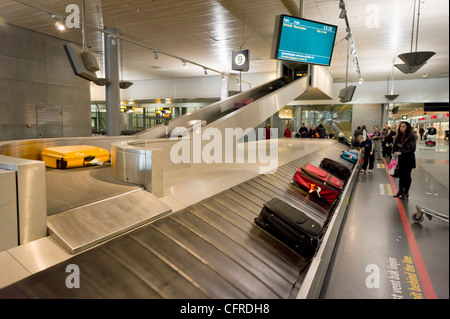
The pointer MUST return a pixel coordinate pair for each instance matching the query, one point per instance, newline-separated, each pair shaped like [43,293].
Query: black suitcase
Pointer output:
[336,168]
[290,226]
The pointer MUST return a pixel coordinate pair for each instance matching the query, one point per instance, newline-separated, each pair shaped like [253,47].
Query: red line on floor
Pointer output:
[422,272]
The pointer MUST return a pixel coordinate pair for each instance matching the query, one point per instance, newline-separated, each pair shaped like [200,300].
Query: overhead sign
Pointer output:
[240,60]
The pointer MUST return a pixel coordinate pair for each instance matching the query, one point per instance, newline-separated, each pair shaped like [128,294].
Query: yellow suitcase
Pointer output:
[74,156]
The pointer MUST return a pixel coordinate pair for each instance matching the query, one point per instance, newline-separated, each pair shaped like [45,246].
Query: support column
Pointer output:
[225,88]
[114,120]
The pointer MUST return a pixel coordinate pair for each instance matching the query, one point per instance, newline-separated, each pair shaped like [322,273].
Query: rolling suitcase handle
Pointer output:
[88,158]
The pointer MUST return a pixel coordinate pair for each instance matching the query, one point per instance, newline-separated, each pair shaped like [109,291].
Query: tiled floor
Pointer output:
[378,235]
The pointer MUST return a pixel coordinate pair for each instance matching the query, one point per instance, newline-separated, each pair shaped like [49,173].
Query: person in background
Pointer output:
[303,131]
[421,132]
[383,137]
[404,148]
[267,132]
[312,131]
[364,131]
[321,130]
[331,135]
[376,138]
[366,147]
[288,131]
[388,141]
[357,133]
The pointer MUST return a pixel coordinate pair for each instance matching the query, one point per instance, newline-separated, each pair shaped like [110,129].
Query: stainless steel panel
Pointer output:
[8,210]
[132,162]
[84,227]
[49,121]
[31,149]
[31,197]
[20,69]
[23,91]
[22,43]
[34,74]
[17,113]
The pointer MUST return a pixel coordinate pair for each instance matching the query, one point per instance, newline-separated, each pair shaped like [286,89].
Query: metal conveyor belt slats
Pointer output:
[212,249]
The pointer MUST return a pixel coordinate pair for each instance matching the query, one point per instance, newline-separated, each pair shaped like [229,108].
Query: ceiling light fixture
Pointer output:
[350,40]
[414,60]
[59,24]
[205,71]
[115,36]
[390,96]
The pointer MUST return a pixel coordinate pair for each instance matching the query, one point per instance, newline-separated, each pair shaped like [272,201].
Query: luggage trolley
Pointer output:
[418,216]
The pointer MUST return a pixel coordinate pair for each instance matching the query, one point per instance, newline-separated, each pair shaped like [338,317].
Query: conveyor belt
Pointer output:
[75,187]
[211,249]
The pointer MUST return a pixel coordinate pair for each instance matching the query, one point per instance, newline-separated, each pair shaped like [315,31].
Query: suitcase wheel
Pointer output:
[61,163]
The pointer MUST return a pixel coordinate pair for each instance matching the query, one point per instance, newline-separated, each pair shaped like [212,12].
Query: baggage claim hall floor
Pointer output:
[380,253]
[379,238]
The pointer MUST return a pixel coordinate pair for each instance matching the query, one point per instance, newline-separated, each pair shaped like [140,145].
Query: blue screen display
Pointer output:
[306,41]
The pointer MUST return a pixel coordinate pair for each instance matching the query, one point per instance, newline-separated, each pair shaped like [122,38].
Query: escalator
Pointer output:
[268,98]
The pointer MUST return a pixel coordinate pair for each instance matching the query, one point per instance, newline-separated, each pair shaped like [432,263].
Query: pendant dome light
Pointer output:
[413,61]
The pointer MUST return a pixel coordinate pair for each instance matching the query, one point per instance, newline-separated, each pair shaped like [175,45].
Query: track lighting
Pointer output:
[184,64]
[205,71]
[343,14]
[348,36]
[155,54]
[59,24]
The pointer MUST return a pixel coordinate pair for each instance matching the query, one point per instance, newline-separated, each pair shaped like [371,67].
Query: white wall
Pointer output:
[410,91]
[199,87]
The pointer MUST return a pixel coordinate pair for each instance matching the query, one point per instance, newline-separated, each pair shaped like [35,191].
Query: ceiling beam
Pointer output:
[291,7]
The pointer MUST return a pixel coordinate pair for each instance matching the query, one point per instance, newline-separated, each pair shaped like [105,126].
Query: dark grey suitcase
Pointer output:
[291,226]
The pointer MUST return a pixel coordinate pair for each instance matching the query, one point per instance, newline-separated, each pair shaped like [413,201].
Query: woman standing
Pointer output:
[267,132]
[288,131]
[388,141]
[312,132]
[376,138]
[404,147]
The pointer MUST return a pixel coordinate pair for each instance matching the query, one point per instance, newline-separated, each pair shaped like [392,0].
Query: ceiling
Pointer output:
[207,31]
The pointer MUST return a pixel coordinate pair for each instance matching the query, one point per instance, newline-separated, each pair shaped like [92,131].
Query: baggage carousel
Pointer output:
[211,249]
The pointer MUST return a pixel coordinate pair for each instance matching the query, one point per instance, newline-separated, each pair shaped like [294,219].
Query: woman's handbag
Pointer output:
[393,167]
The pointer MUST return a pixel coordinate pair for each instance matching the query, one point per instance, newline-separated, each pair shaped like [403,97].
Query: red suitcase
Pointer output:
[318,187]
[242,102]
[324,176]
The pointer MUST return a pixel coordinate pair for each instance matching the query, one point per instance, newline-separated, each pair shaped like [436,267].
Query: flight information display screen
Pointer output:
[304,41]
